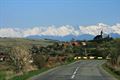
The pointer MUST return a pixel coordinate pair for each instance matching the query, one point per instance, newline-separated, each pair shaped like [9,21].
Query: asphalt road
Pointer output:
[80,70]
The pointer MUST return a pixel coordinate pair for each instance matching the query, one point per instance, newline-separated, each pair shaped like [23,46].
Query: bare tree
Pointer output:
[20,58]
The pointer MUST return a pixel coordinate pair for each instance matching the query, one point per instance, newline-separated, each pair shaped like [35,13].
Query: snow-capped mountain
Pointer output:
[115,35]
[70,37]
[64,38]
[65,32]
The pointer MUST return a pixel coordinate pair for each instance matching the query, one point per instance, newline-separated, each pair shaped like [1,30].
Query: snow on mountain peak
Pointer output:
[61,30]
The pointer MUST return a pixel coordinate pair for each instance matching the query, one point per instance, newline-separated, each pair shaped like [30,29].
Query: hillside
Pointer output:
[7,42]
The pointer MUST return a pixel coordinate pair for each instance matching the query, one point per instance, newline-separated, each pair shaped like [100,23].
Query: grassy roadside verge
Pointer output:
[5,71]
[36,72]
[105,67]
[2,75]
[25,76]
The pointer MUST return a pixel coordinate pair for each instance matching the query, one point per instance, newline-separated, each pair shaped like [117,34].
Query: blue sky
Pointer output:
[31,13]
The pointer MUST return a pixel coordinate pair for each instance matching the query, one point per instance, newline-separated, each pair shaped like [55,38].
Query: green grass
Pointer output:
[25,76]
[105,67]
[3,69]
[2,75]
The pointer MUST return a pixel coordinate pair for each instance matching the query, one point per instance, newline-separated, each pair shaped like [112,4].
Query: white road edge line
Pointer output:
[73,76]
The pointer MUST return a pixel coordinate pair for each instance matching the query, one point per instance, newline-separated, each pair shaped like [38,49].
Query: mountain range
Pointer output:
[69,37]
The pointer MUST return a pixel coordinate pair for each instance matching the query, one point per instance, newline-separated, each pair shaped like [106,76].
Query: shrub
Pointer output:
[19,58]
[39,60]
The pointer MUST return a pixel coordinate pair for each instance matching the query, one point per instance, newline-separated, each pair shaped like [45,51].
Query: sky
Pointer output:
[31,13]
[21,18]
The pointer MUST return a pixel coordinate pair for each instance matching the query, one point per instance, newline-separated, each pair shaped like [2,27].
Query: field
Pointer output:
[22,41]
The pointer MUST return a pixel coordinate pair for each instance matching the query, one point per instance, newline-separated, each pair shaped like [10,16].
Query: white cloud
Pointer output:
[116,28]
[60,31]
[95,29]
[33,31]
[50,30]
[10,32]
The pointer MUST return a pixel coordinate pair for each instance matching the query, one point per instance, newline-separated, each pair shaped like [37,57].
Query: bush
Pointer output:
[19,58]
[39,60]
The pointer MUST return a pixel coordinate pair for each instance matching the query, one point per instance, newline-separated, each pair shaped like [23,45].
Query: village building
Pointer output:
[102,36]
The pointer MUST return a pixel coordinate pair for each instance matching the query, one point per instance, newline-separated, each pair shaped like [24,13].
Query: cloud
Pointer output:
[33,31]
[51,31]
[116,28]
[95,29]
[10,32]
[60,31]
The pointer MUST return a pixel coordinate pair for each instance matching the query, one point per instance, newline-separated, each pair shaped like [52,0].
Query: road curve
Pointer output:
[80,70]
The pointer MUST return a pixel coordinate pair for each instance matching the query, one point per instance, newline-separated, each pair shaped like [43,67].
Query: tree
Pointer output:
[20,58]
[39,60]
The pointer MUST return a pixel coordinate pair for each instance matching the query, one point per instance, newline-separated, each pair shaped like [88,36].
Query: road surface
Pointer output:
[80,70]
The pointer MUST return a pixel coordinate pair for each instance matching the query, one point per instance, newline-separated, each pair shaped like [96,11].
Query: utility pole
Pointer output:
[84,44]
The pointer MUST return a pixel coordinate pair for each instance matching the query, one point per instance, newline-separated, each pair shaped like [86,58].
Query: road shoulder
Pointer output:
[50,70]
[108,72]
